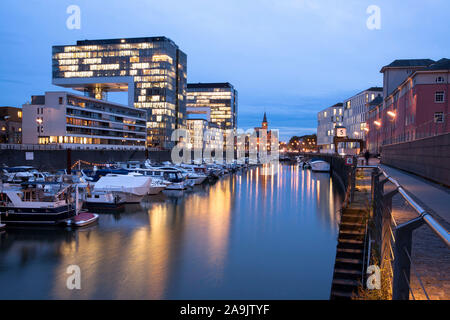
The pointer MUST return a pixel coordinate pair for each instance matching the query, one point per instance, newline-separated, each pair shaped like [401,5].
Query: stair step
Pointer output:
[347,271]
[354,232]
[341,294]
[346,282]
[348,250]
[349,260]
[351,241]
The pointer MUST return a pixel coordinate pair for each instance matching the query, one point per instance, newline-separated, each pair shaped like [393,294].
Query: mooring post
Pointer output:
[69,161]
[402,261]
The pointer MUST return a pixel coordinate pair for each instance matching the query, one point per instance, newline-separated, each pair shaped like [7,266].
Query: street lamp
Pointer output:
[392,114]
[39,122]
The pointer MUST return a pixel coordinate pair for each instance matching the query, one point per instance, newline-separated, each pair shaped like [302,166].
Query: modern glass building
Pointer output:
[220,98]
[151,69]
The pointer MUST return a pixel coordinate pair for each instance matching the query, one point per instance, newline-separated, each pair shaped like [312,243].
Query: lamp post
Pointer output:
[39,122]
[7,129]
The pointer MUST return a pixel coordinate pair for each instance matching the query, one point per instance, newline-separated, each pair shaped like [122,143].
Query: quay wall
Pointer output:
[49,160]
[428,157]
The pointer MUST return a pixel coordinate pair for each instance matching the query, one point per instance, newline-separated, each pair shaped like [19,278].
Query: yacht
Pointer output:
[103,200]
[320,166]
[30,203]
[127,187]
[155,185]
[193,178]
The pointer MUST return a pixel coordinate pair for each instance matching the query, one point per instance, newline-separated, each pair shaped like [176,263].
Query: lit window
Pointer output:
[439,96]
[438,117]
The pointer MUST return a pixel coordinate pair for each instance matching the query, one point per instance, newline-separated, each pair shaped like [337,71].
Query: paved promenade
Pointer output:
[430,256]
[434,198]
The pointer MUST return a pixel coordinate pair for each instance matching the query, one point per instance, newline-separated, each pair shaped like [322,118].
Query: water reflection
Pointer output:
[249,235]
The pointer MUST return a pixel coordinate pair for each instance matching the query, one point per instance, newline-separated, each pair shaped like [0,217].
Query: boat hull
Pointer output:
[320,166]
[10,215]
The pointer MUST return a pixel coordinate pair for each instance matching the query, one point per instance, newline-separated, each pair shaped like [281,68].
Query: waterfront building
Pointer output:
[221,99]
[10,125]
[355,111]
[260,131]
[151,69]
[418,107]
[308,143]
[197,128]
[373,136]
[79,122]
[328,119]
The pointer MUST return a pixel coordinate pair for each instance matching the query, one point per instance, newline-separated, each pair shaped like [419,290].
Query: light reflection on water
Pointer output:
[248,236]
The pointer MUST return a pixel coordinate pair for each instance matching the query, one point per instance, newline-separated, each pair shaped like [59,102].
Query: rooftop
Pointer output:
[209,85]
[404,63]
[122,40]
[443,64]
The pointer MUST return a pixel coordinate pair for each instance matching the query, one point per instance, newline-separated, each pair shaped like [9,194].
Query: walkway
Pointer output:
[430,256]
[434,198]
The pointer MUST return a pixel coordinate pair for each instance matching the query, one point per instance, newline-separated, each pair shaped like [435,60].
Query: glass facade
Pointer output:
[155,68]
[220,98]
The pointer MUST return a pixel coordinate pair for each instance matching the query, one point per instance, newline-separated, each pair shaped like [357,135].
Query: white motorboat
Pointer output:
[103,200]
[320,166]
[29,203]
[127,187]
[192,175]
[155,185]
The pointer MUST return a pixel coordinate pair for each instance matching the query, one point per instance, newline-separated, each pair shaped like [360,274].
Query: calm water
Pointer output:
[247,236]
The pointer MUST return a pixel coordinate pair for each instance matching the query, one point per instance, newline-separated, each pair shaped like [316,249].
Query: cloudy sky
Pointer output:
[290,58]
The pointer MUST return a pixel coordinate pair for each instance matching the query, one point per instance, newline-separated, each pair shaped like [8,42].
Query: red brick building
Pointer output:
[415,106]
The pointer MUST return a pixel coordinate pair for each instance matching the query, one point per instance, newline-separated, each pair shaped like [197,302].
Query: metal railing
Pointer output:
[395,241]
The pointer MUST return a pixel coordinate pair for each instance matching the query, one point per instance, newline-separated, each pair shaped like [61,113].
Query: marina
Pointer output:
[244,232]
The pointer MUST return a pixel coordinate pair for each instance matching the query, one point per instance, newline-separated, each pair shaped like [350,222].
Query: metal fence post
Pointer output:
[402,262]
[386,222]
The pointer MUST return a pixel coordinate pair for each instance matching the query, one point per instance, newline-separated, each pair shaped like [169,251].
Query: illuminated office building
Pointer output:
[327,120]
[220,98]
[151,69]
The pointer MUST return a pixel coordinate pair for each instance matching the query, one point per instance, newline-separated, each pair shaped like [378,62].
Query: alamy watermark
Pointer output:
[374,20]
[74,279]
[227,147]
[374,278]
[74,19]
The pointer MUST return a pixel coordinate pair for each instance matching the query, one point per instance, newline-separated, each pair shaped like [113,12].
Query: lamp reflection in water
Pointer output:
[248,235]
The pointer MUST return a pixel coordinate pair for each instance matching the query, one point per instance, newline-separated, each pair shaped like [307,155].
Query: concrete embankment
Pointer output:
[48,160]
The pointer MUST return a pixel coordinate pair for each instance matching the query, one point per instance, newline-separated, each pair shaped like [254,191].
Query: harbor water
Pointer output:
[255,234]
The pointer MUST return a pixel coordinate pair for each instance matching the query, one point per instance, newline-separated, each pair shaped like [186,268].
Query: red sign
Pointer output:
[348,160]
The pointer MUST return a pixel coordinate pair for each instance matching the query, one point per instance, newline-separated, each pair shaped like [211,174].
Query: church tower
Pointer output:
[265,125]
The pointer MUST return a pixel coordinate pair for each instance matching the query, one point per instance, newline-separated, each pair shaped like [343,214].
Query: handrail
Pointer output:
[435,226]
[438,230]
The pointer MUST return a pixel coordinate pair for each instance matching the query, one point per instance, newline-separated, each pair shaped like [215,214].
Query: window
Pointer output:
[439,96]
[440,80]
[60,100]
[438,117]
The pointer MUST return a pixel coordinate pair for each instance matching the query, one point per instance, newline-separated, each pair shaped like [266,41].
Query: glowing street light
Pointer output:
[377,123]
[392,114]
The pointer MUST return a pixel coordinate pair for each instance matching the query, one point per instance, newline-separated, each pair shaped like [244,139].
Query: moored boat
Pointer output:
[29,203]
[320,166]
